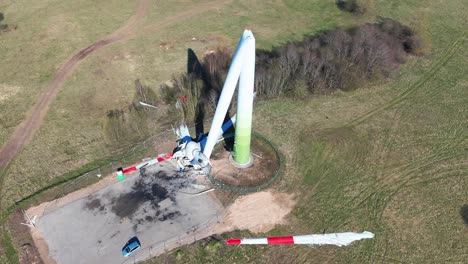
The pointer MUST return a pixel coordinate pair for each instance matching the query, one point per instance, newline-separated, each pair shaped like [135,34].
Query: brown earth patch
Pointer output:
[23,241]
[264,166]
[257,212]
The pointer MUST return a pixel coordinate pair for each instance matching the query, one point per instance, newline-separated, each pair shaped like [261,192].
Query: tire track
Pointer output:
[35,117]
[379,197]
[378,194]
[24,132]
[456,45]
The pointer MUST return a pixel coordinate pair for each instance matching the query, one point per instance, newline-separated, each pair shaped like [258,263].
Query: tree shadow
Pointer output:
[464,213]
[212,86]
[195,69]
[193,64]
[2,17]
[228,135]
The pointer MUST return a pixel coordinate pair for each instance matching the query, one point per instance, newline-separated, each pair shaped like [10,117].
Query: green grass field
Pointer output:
[390,157]
[72,134]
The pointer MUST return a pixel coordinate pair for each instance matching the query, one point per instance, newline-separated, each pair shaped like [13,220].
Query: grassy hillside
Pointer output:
[390,157]
[72,134]
[47,33]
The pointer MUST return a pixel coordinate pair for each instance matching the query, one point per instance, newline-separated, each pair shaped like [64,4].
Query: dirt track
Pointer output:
[35,117]
[25,131]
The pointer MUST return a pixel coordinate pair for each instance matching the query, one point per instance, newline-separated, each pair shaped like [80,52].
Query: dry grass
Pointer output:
[390,158]
[48,32]
[72,134]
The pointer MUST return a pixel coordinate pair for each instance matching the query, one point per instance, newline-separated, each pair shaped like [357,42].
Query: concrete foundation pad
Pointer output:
[241,166]
[155,207]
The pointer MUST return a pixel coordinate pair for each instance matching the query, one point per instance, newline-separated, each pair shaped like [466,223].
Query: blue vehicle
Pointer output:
[132,246]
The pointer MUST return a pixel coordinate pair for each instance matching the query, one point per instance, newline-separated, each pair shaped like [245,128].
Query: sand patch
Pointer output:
[257,212]
[42,247]
[7,91]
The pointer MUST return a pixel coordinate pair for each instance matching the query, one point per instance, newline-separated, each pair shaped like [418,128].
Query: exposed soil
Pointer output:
[42,248]
[257,212]
[28,251]
[263,168]
[7,91]
[28,254]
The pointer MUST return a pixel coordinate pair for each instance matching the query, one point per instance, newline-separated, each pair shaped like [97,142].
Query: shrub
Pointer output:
[130,124]
[125,126]
[217,61]
[350,6]
[145,94]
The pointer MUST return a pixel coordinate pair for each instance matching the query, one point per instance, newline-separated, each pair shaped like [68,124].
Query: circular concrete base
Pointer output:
[257,174]
[241,166]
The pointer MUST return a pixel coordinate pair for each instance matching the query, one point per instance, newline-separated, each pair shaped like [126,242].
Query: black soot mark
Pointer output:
[94,205]
[126,204]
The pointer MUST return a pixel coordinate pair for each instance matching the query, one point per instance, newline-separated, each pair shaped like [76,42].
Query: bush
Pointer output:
[5,27]
[126,126]
[130,124]
[216,62]
[350,6]
[145,94]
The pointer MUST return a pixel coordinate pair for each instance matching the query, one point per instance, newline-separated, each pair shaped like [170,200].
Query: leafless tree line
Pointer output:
[335,59]
[200,86]
[342,58]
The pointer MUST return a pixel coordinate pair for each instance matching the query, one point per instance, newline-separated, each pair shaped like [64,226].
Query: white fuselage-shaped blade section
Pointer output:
[242,57]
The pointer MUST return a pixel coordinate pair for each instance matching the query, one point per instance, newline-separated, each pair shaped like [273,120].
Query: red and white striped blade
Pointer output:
[150,162]
[337,239]
[261,241]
